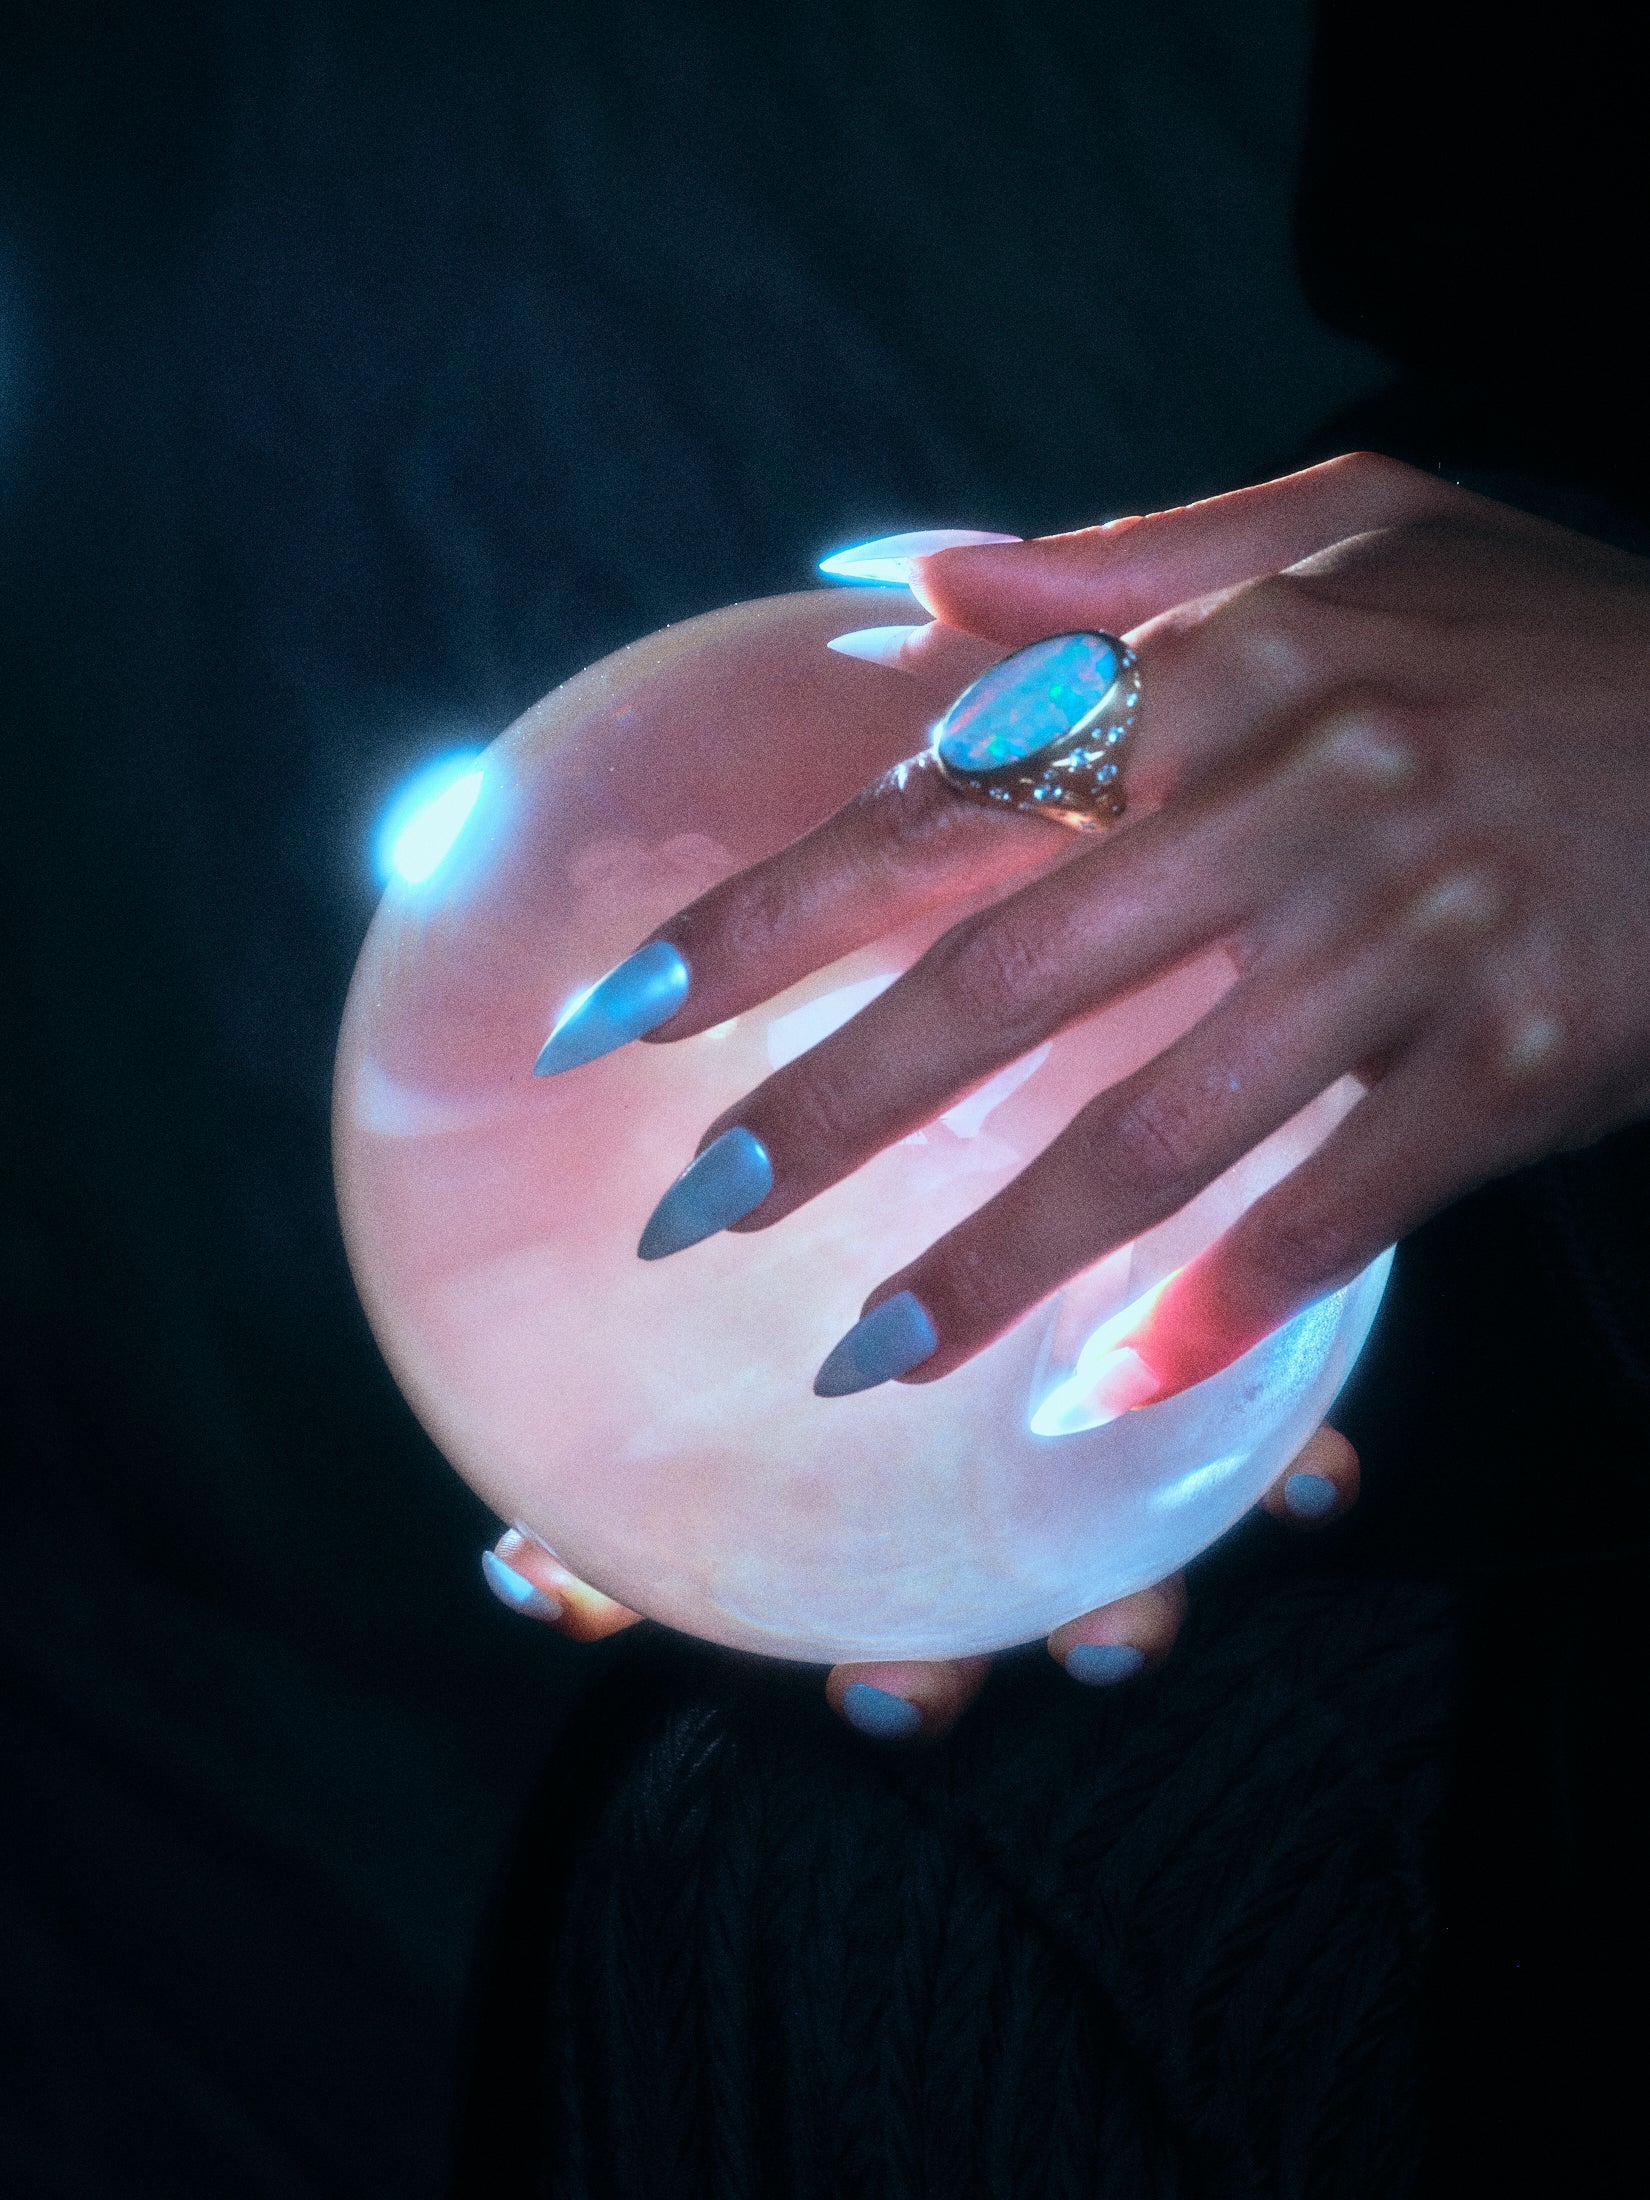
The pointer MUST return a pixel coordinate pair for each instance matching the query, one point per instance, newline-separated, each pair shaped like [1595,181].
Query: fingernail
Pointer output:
[1038,695]
[878,645]
[874,1711]
[891,1340]
[727,1180]
[635,997]
[515,1590]
[888,559]
[1310,1496]
[1098,1664]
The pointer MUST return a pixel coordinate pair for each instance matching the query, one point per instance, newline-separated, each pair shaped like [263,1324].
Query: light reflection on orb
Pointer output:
[426,818]
[654,1422]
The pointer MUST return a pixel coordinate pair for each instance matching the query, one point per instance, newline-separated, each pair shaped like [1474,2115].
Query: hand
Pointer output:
[1394,759]
[911,1699]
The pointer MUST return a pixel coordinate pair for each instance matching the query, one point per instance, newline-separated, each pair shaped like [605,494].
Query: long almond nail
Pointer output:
[877,645]
[642,992]
[889,1341]
[888,559]
[728,1179]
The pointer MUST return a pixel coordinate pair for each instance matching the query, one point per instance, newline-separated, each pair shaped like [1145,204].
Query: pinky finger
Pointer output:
[1410,1146]
[532,1580]
[1319,1483]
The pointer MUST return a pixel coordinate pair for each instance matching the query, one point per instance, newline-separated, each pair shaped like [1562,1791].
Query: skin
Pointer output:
[1394,759]
[942,1689]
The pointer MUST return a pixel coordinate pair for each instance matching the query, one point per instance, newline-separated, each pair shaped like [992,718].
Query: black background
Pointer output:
[365,370]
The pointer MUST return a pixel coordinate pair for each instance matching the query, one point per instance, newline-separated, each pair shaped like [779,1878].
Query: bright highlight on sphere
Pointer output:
[426,819]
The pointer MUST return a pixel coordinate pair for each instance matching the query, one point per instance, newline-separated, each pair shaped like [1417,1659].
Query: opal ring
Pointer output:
[1044,731]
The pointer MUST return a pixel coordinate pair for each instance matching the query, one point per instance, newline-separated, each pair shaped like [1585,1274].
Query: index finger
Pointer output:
[904,846]
[910,843]
[1126,571]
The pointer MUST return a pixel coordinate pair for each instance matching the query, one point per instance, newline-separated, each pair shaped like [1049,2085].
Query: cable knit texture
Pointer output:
[1167,1940]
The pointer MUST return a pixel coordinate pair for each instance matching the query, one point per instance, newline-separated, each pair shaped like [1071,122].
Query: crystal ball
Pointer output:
[653,1423]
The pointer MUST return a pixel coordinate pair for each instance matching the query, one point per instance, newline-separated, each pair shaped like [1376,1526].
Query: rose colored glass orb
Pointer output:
[654,1422]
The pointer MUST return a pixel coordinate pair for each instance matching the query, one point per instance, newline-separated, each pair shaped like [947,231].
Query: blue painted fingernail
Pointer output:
[888,559]
[1098,1664]
[1310,1496]
[875,1711]
[635,997]
[515,1590]
[891,1340]
[727,1180]
[878,645]
[1038,695]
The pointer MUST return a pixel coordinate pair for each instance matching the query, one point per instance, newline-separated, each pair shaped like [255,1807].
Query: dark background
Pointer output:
[364,371]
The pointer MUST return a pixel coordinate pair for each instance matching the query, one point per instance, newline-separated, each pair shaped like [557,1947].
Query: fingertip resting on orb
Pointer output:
[882,1345]
[1310,1496]
[718,1188]
[876,645]
[1102,1664]
[879,1713]
[515,1591]
[1536,1040]
[634,998]
[887,560]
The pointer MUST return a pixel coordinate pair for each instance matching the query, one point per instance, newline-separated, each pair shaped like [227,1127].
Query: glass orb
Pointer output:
[654,1422]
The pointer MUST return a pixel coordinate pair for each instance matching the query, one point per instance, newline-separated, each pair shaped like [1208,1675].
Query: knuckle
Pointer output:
[1145,1146]
[819,1114]
[740,926]
[1498,1042]
[1369,471]
[992,971]
[1387,490]
[1276,617]
[1366,738]
[907,812]
[1306,1246]
[1519,1036]
[966,1291]
[1532,1043]
[1455,900]
[1542,1008]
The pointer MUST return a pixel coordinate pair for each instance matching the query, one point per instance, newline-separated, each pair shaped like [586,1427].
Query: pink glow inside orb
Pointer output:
[654,1422]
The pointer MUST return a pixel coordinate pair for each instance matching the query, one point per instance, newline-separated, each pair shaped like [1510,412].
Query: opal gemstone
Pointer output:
[1037,696]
